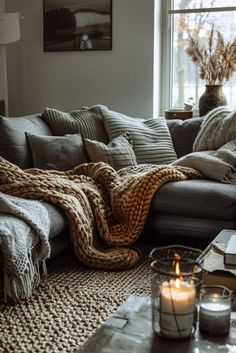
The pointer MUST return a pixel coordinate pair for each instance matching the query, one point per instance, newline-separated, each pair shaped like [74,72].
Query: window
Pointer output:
[181,77]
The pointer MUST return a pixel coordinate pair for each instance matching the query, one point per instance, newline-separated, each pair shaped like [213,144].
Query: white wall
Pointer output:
[122,78]
[157,74]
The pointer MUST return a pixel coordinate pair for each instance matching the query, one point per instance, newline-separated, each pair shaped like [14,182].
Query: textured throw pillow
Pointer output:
[57,152]
[13,142]
[85,121]
[152,142]
[118,153]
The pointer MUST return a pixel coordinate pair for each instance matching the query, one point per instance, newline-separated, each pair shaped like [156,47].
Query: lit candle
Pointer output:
[177,305]
[214,317]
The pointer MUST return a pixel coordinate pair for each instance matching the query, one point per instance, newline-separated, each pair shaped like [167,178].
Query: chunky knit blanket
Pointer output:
[106,212]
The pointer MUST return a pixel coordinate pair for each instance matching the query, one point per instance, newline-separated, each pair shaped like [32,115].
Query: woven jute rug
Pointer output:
[68,306]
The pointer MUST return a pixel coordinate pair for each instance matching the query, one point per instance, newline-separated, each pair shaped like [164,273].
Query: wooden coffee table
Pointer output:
[129,330]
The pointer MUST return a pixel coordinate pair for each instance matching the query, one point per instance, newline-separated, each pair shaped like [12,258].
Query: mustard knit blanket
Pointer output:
[106,211]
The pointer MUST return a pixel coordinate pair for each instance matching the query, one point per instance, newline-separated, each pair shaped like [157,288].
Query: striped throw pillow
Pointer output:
[152,142]
[85,121]
[118,153]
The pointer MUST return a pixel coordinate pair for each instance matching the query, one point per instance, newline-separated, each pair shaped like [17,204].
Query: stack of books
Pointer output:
[230,252]
[219,260]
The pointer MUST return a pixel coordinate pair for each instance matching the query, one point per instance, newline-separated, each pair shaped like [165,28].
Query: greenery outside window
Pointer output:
[181,76]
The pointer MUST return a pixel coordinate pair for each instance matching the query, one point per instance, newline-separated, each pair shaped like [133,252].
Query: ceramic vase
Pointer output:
[213,97]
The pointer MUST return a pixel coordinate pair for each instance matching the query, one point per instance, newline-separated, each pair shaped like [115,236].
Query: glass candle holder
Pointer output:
[215,310]
[175,281]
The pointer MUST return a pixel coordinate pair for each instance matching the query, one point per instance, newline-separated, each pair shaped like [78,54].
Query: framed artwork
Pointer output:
[77,25]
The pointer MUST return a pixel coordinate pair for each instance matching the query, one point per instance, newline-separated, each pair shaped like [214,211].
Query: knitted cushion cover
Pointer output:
[152,142]
[84,121]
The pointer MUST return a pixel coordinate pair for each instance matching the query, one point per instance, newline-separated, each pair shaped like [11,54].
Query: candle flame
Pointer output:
[215,297]
[177,273]
[177,257]
[177,269]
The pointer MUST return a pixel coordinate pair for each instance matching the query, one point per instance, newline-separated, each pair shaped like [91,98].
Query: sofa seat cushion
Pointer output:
[196,198]
[160,226]
[58,220]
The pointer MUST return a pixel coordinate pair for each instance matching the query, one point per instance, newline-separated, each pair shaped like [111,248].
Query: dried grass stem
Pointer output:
[215,58]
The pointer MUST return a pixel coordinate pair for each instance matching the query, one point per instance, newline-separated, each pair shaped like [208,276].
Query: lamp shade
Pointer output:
[9,27]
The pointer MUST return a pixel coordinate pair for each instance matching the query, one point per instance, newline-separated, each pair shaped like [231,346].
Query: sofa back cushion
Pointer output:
[85,121]
[151,138]
[57,152]
[183,133]
[13,142]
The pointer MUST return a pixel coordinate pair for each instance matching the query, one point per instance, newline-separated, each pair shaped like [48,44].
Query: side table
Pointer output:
[178,114]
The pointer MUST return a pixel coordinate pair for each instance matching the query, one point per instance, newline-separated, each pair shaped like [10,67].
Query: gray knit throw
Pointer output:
[214,149]
[24,244]
[218,128]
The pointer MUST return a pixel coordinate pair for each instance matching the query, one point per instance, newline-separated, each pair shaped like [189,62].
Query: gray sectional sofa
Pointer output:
[192,210]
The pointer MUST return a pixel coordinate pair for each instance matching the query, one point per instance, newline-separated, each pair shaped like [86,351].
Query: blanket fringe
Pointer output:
[16,288]
[230,176]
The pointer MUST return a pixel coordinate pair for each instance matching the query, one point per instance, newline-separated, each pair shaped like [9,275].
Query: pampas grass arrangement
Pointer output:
[216,58]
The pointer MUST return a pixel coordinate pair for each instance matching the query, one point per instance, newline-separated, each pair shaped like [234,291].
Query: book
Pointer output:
[230,252]
[220,278]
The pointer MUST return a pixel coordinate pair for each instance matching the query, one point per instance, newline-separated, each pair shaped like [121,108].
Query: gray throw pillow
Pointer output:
[13,142]
[57,152]
[183,133]
[118,153]
[152,142]
[85,121]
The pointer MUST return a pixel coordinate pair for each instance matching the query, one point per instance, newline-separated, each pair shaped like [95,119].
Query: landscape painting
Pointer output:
[77,25]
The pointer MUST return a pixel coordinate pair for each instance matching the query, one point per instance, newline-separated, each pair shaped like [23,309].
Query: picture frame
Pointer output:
[77,25]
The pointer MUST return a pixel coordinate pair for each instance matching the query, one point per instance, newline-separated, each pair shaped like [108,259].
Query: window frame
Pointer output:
[166,56]
[167,12]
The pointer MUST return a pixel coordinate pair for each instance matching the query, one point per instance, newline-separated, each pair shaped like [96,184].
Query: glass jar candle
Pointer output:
[175,282]
[215,310]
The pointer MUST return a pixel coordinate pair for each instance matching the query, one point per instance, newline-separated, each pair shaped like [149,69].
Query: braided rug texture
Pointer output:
[68,306]
[106,211]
